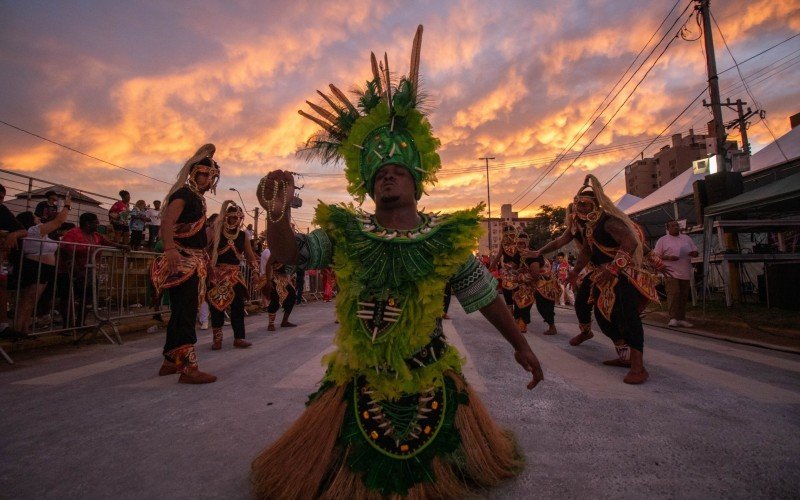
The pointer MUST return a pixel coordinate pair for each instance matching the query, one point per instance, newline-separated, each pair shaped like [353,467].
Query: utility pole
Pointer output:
[741,121]
[713,85]
[255,224]
[489,201]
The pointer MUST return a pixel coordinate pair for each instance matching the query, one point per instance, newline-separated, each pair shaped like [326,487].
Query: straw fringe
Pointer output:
[345,484]
[491,454]
[295,465]
[306,463]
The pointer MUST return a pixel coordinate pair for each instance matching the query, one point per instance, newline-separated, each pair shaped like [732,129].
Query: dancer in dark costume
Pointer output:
[621,286]
[228,286]
[182,268]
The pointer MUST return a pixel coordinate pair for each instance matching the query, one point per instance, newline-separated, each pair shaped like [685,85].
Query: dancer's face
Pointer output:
[203,181]
[394,185]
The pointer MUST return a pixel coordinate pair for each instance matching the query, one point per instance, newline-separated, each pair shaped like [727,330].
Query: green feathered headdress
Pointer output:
[385,126]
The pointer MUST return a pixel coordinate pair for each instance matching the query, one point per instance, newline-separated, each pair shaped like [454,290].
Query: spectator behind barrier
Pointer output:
[38,262]
[10,231]
[73,266]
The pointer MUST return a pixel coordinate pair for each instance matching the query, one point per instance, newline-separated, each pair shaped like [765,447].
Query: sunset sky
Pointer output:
[142,84]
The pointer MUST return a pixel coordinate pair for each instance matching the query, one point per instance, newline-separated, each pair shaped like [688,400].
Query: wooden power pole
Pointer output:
[489,201]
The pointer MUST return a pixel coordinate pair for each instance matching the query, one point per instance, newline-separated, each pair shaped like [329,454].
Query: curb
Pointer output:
[134,325]
[716,336]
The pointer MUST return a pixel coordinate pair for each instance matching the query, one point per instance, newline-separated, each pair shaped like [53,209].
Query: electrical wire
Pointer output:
[575,140]
[619,108]
[746,88]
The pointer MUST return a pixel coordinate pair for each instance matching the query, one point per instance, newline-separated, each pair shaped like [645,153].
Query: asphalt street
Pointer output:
[715,420]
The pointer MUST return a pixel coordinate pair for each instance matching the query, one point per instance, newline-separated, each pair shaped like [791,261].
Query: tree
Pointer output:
[546,225]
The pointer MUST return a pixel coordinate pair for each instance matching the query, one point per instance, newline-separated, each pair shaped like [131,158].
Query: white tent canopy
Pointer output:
[676,188]
[681,185]
[626,200]
[770,154]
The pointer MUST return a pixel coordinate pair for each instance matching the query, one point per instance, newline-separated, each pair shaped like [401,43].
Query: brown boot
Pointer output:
[285,322]
[271,326]
[637,373]
[241,343]
[523,328]
[167,368]
[186,362]
[216,343]
[586,334]
[551,330]
[623,359]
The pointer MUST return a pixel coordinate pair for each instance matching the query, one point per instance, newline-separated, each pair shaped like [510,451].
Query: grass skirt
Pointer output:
[311,460]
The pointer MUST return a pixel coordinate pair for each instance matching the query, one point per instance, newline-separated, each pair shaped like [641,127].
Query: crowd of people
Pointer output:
[129,223]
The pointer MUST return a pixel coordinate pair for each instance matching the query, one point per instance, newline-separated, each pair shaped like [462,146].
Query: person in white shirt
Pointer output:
[676,250]
[154,224]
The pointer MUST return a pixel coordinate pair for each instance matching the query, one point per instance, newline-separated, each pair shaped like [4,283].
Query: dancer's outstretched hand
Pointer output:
[527,359]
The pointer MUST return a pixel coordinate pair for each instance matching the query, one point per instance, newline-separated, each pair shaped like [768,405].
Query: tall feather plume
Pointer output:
[331,129]
[323,112]
[330,102]
[376,74]
[388,81]
[343,98]
[416,47]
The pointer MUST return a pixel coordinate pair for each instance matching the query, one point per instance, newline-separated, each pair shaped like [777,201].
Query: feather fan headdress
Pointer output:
[384,126]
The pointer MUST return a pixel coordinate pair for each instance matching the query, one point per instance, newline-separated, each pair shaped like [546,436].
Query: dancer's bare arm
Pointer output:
[584,256]
[498,315]
[280,237]
[557,243]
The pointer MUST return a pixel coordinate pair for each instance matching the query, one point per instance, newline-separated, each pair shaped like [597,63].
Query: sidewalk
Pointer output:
[129,327]
[734,328]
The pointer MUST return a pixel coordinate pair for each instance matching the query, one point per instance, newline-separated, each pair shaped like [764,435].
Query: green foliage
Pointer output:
[546,225]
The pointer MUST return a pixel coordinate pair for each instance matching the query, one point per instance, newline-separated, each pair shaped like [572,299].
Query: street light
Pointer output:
[240,198]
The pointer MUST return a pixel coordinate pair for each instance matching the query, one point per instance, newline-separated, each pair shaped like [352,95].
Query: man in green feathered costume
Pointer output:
[393,417]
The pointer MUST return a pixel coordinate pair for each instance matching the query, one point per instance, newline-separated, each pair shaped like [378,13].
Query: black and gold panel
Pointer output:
[403,428]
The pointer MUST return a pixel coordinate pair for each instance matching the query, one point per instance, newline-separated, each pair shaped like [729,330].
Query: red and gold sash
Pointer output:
[193,261]
[224,278]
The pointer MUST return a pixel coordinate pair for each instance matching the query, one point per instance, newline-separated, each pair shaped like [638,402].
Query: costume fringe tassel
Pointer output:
[295,465]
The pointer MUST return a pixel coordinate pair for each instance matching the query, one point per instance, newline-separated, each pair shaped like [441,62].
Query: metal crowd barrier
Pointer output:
[91,289]
[112,286]
[122,287]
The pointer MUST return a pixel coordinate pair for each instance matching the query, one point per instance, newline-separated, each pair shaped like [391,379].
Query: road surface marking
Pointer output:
[73,374]
[706,375]
[592,378]
[468,369]
[307,375]
[726,348]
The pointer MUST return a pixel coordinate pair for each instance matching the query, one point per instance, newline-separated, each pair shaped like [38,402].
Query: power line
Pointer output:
[746,88]
[92,156]
[660,134]
[575,140]
[619,108]
[81,152]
